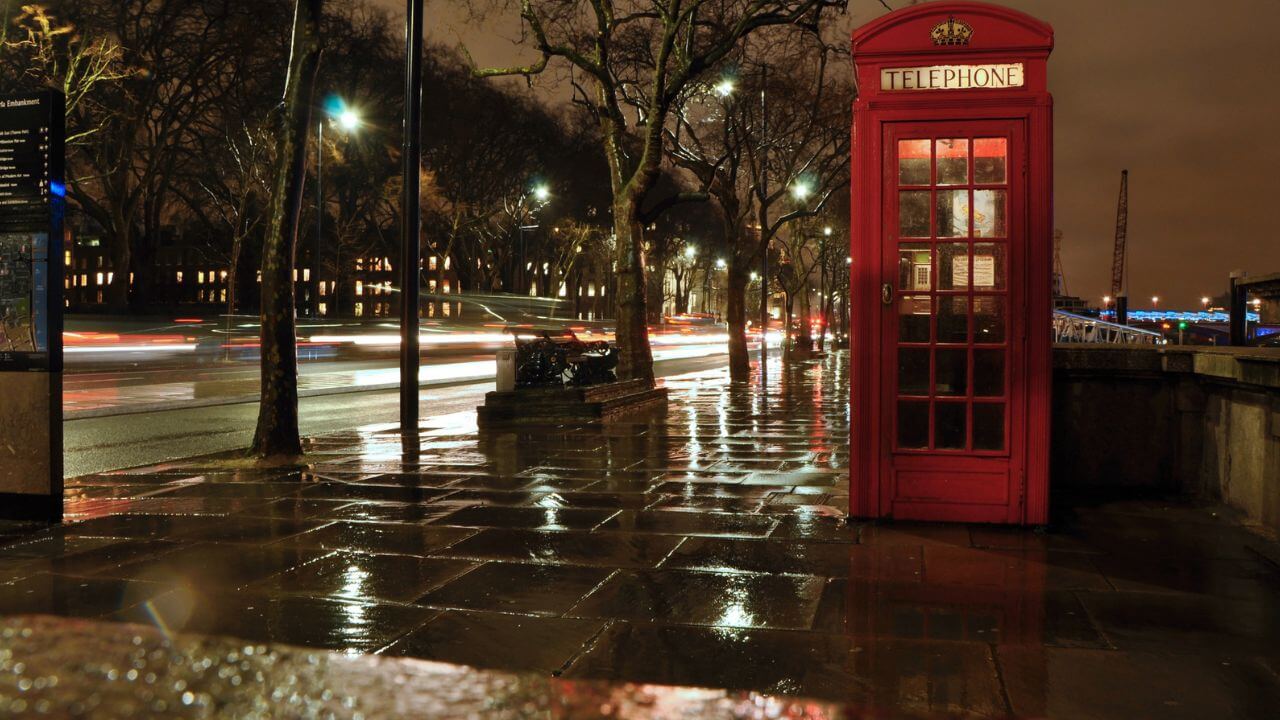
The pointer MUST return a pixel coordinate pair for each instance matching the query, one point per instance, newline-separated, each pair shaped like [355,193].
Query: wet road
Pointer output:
[99,444]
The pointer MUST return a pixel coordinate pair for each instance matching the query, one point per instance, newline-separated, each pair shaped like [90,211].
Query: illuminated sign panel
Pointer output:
[953,77]
[31,194]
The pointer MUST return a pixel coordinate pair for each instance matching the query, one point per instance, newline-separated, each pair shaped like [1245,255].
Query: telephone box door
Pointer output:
[953,397]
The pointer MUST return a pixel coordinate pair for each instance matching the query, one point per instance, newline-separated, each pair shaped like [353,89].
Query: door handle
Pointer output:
[886,293]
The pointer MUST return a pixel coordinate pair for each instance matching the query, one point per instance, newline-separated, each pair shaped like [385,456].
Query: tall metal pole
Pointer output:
[411,220]
[315,264]
[764,228]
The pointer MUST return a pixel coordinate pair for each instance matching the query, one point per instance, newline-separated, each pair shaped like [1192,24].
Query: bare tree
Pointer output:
[277,430]
[769,149]
[631,60]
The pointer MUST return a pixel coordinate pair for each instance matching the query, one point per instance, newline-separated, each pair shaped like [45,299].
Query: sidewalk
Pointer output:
[704,546]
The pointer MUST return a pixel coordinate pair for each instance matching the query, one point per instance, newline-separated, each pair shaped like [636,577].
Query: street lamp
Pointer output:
[542,194]
[1204,301]
[800,190]
[690,250]
[1155,301]
[720,263]
[348,120]
[826,231]
[724,88]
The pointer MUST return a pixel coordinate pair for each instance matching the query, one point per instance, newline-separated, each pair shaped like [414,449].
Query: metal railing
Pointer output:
[1072,328]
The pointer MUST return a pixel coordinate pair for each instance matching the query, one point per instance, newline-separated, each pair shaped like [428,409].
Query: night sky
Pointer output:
[1181,92]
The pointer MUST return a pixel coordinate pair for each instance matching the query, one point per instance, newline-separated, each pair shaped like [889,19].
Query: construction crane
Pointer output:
[1059,275]
[1118,288]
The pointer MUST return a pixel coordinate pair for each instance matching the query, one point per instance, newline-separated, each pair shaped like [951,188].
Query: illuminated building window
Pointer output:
[431,310]
[431,263]
[564,290]
[179,275]
[323,289]
[112,276]
[360,287]
[359,309]
[446,263]
[67,260]
[591,290]
[223,275]
[84,280]
[324,308]
[306,274]
[445,309]
[200,277]
[431,286]
[446,287]
[224,294]
[67,282]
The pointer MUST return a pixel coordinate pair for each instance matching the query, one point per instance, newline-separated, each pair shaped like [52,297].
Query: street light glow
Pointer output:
[720,263]
[690,250]
[801,190]
[541,193]
[1204,301]
[1106,299]
[349,120]
[724,88]
[755,276]
[826,231]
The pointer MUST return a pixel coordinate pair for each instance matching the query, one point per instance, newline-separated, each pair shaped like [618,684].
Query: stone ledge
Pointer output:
[58,667]
[1247,366]
[541,406]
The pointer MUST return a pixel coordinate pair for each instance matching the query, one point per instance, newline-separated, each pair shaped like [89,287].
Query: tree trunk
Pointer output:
[277,431]
[736,317]
[804,333]
[635,358]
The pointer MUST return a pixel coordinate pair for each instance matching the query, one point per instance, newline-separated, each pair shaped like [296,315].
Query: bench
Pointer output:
[546,359]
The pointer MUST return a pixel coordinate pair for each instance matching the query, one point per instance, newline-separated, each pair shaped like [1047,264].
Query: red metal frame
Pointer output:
[1023,114]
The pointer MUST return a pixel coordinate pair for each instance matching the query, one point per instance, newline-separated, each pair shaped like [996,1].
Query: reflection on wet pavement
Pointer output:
[704,545]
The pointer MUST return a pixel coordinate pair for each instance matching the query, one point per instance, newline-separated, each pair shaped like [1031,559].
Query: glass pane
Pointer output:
[988,320]
[914,269]
[988,426]
[953,213]
[949,425]
[953,319]
[953,161]
[989,213]
[952,376]
[913,213]
[989,266]
[913,162]
[913,319]
[913,371]
[988,373]
[953,266]
[913,424]
[990,160]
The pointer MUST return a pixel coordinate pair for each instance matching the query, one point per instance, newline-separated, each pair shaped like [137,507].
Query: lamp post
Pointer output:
[541,193]
[411,223]
[347,120]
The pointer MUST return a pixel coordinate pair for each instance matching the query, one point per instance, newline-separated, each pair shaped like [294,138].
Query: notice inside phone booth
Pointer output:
[952,249]
[32,194]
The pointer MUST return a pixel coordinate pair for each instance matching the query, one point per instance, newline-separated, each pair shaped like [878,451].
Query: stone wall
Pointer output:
[1199,421]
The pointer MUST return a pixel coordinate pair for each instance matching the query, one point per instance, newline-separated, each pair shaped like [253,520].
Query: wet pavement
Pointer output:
[700,546]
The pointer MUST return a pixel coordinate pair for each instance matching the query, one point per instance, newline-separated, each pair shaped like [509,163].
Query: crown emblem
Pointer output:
[951,32]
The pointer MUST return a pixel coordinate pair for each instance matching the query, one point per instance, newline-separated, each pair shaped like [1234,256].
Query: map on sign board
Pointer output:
[22,290]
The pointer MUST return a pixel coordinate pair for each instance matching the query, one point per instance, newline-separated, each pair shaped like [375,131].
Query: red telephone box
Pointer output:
[952,247]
